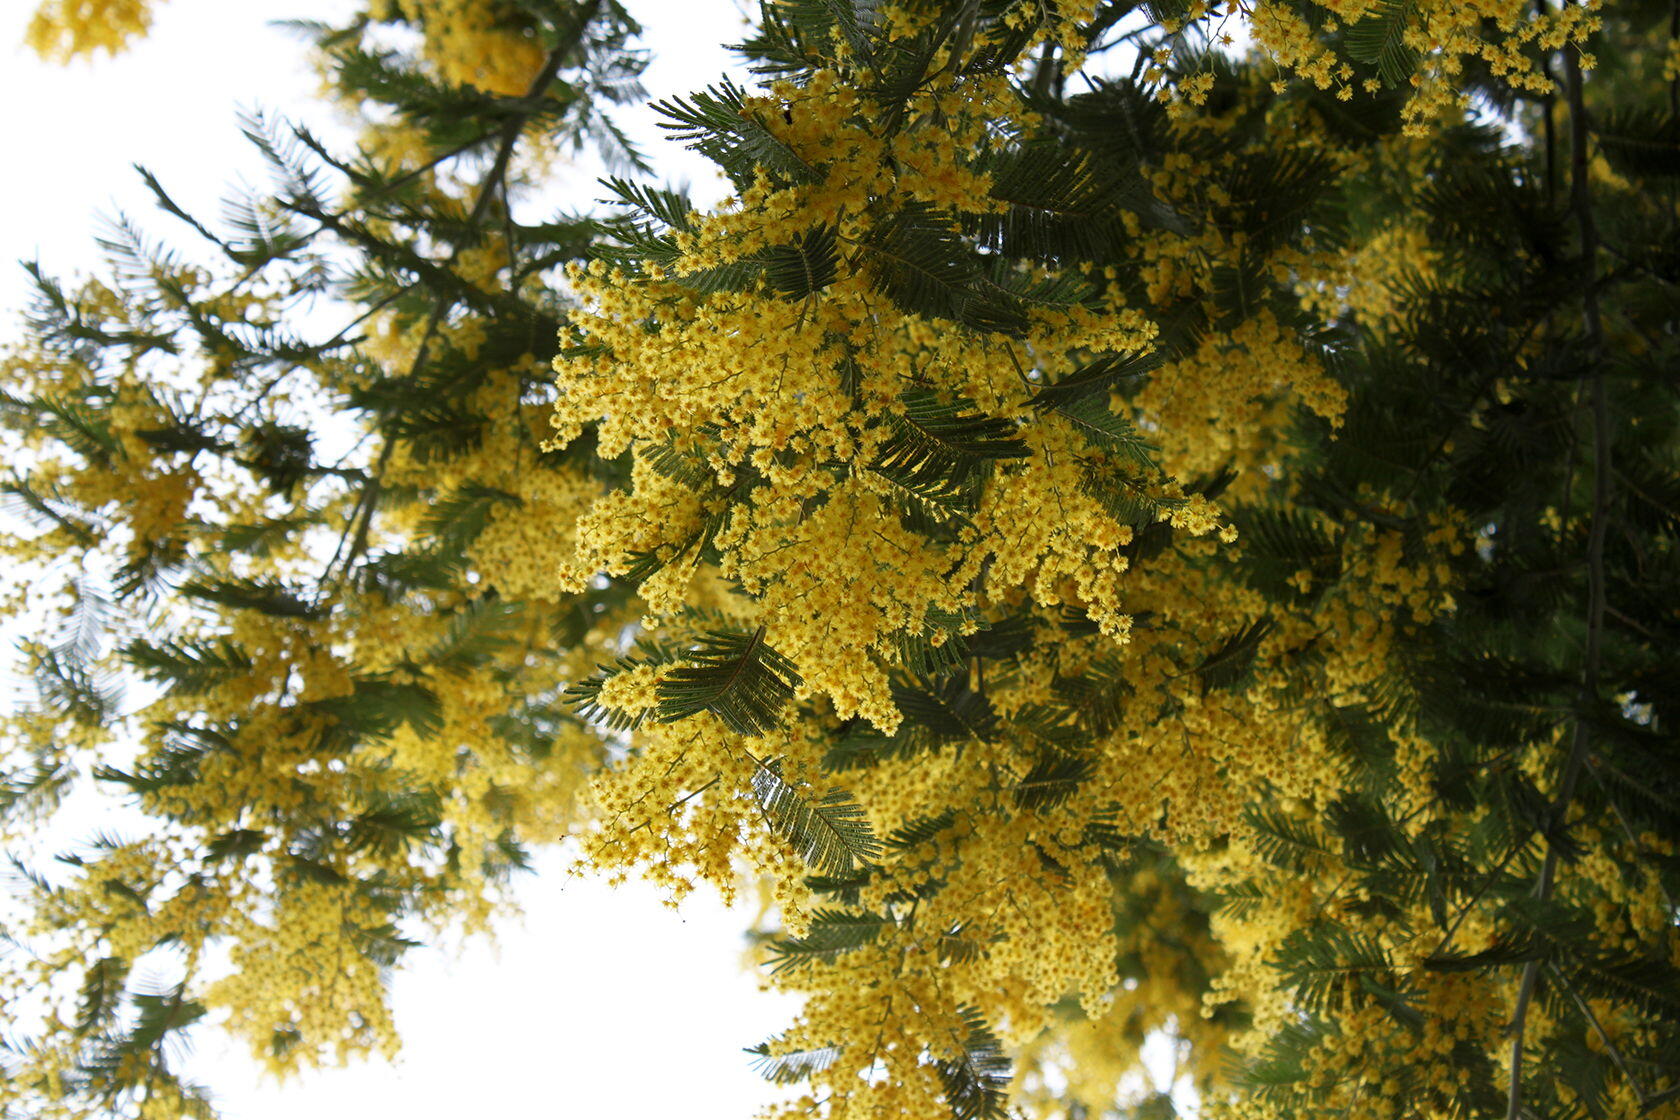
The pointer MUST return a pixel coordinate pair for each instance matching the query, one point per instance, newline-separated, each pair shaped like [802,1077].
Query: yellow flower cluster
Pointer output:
[281,871]
[1442,37]
[491,45]
[756,422]
[61,30]
[763,372]
[1165,946]
[783,402]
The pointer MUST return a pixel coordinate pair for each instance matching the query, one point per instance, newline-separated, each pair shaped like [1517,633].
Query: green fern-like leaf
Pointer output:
[76,689]
[1108,430]
[1061,205]
[1649,984]
[1286,842]
[1273,191]
[234,844]
[666,206]
[383,944]
[47,509]
[458,519]
[1051,780]
[921,262]
[188,666]
[934,438]
[832,934]
[82,428]
[1284,1062]
[264,596]
[1243,900]
[40,784]
[1046,729]
[392,824]
[1278,543]
[1380,37]
[585,695]
[931,655]
[736,677]
[948,713]
[1644,143]
[376,707]
[715,123]
[158,1014]
[101,993]
[803,268]
[1096,378]
[1228,664]
[830,832]
[939,451]
[791,1066]
[1093,700]
[475,634]
[954,948]
[1329,966]
[687,468]
[976,1080]
[920,831]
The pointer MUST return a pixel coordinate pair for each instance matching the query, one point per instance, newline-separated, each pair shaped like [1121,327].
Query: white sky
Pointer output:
[602,1003]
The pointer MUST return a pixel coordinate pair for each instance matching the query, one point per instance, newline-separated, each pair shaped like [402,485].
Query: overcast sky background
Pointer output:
[602,1002]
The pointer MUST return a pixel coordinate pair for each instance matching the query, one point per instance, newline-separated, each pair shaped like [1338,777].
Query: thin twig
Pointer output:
[1598,1029]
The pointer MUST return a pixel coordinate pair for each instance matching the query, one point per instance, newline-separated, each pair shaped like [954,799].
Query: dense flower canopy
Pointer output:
[1122,537]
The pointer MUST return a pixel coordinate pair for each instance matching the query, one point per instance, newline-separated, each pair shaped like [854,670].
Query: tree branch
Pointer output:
[1581,201]
[359,527]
